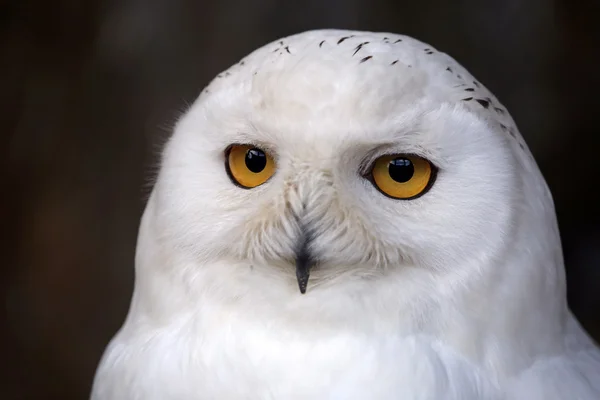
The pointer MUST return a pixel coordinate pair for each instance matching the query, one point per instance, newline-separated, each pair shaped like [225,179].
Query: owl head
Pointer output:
[351,162]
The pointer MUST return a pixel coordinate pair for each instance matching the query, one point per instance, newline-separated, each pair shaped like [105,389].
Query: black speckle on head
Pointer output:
[219,76]
[255,72]
[504,127]
[287,49]
[409,66]
[467,99]
[521,146]
[449,69]
[227,73]
[475,83]
[277,49]
[499,110]
[344,38]
[469,90]
[366,59]
[321,44]
[357,48]
[242,62]
[429,52]
[394,62]
[398,41]
[458,76]
[281,43]
[484,103]
[385,38]
[512,132]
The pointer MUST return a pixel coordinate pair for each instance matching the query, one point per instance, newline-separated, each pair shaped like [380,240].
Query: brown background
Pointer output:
[89,89]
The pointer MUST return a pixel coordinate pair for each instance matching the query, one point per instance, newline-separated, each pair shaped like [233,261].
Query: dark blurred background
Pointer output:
[89,91]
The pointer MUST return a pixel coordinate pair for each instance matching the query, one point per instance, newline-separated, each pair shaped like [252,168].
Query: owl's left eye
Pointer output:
[248,166]
[402,177]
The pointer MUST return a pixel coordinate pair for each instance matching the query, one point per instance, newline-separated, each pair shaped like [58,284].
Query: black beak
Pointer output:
[303,263]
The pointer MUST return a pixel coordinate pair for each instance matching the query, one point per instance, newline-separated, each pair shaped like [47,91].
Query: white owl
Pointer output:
[348,215]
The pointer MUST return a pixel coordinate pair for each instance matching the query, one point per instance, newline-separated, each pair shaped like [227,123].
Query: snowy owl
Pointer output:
[348,215]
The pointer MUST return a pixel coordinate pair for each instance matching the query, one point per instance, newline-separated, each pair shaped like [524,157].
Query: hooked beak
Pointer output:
[304,262]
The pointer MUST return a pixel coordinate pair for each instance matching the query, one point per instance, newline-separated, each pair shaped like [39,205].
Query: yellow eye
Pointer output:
[249,166]
[402,176]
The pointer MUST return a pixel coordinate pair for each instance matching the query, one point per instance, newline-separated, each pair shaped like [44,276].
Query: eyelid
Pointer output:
[366,166]
[263,146]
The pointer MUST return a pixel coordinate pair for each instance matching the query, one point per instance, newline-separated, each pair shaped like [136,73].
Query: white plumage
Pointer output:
[456,294]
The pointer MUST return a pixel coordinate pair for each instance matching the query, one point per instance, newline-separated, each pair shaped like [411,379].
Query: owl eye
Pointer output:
[402,177]
[248,166]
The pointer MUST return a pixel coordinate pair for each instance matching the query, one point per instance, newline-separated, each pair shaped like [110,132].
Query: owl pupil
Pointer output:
[256,160]
[401,169]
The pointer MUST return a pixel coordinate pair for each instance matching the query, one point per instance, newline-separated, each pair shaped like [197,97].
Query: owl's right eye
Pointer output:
[248,166]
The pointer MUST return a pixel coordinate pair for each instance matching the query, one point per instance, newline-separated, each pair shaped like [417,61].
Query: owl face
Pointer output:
[337,170]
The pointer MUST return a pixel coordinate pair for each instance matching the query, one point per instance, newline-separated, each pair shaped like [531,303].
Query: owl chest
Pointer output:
[280,364]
